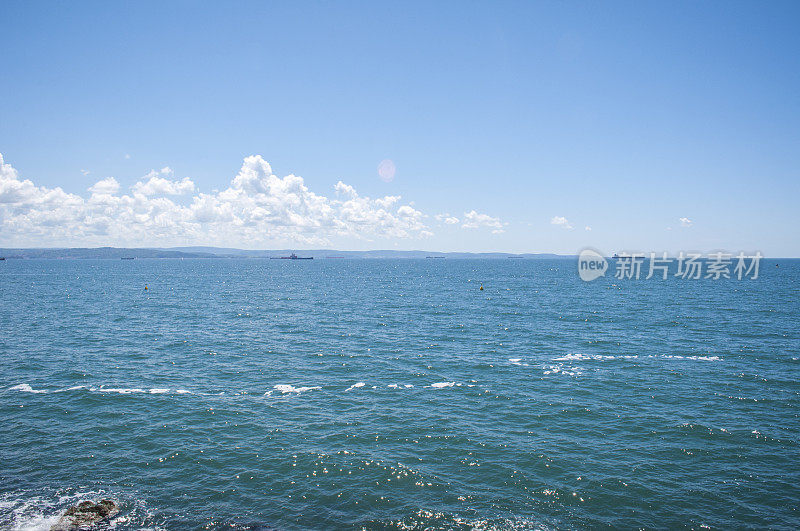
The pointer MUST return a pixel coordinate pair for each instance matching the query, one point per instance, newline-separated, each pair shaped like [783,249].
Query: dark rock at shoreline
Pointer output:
[85,515]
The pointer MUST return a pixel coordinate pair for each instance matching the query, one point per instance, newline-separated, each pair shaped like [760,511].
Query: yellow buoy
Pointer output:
[481,288]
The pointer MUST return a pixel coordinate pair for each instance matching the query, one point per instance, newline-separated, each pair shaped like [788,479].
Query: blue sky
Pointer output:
[527,122]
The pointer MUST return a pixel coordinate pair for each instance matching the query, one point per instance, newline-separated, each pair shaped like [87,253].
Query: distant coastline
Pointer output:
[116,253]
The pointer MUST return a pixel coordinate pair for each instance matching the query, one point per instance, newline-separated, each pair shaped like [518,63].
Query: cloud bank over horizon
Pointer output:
[257,208]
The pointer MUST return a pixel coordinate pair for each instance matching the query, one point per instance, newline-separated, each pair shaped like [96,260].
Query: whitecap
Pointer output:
[595,357]
[26,389]
[356,386]
[287,389]
[560,369]
[442,385]
[120,390]
[158,391]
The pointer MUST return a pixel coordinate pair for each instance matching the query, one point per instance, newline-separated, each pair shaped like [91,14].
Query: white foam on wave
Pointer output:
[560,369]
[286,389]
[25,388]
[679,357]
[356,386]
[601,357]
[595,357]
[442,385]
[36,513]
[399,386]
[29,517]
[119,390]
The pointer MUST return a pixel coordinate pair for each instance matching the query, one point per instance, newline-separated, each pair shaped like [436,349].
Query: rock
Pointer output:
[85,515]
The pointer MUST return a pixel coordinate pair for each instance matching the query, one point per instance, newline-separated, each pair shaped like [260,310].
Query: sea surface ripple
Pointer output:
[394,394]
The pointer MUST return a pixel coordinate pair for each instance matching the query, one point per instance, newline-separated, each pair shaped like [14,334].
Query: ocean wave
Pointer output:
[277,390]
[120,390]
[561,369]
[428,519]
[26,388]
[679,357]
[601,357]
[287,389]
[27,511]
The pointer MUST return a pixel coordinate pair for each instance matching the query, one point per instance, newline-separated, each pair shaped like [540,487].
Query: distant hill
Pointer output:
[220,252]
[99,252]
[334,253]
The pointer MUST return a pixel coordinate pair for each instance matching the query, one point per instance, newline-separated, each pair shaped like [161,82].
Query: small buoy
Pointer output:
[481,288]
[146,288]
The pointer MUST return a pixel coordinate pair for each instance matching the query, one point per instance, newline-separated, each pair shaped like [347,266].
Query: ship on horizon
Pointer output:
[292,257]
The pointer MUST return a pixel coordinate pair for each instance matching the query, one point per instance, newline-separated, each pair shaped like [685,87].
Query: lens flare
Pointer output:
[386,170]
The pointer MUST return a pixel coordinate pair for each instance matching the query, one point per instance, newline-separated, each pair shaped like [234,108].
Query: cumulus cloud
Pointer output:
[106,186]
[447,219]
[157,183]
[685,222]
[256,208]
[346,190]
[474,220]
[561,221]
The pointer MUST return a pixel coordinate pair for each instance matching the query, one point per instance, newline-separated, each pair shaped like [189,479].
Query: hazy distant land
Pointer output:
[219,252]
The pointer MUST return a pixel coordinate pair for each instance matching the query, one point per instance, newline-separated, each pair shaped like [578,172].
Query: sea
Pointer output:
[397,394]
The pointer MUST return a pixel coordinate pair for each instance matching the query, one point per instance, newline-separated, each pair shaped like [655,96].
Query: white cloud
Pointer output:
[685,222]
[561,221]
[158,184]
[346,190]
[474,220]
[256,209]
[447,219]
[85,172]
[106,186]
[587,228]
[127,156]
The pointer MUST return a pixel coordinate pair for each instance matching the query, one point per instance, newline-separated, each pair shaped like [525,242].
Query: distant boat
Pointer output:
[440,257]
[128,258]
[2,257]
[292,257]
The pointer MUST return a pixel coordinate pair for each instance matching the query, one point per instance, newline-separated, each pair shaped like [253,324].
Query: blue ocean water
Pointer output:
[395,394]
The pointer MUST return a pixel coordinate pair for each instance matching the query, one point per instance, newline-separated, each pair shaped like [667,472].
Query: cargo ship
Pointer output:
[292,257]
